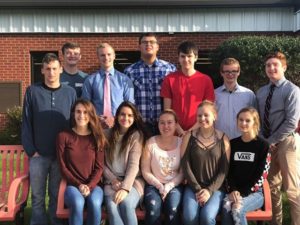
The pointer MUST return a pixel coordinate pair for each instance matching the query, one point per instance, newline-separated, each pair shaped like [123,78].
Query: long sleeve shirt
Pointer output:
[249,165]
[284,113]
[46,112]
[121,89]
[80,160]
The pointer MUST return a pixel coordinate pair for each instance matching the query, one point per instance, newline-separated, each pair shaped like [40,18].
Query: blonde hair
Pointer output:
[170,112]
[253,112]
[211,104]
[229,61]
[104,45]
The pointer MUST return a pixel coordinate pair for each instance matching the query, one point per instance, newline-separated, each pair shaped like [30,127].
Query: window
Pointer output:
[10,95]
[125,58]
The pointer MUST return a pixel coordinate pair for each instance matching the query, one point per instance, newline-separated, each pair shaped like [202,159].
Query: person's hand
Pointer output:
[180,132]
[36,154]
[273,147]
[234,196]
[107,121]
[202,196]
[116,185]
[84,190]
[120,196]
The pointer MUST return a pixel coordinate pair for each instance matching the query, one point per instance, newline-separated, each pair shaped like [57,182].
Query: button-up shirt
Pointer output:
[284,113]
[147,80]
[121,89]
[229,104]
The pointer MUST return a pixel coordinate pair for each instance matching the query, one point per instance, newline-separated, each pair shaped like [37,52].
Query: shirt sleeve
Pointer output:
[166,91]
[87,89]
[96,175]
[210,92]
[129,91]
[27,125]
[61,141]
[292,114]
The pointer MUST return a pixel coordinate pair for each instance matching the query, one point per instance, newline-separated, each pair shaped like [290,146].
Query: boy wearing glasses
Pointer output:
[231,98]
[71,75]
[147,75]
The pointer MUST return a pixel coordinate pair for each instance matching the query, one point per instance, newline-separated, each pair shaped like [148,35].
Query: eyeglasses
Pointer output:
[233,72]
[149,42]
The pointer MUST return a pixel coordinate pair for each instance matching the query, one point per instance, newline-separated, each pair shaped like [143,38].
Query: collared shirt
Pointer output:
[121,89]
[284,113]
[147,80]
[229,104]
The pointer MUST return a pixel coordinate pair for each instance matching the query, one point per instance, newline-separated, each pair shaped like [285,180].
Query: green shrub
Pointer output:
[251,52]
[12,132]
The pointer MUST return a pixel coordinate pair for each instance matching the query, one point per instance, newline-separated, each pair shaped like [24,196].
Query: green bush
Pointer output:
[12,132]
[251,52]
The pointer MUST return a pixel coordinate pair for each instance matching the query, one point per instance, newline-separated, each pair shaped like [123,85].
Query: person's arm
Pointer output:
[292,115]
[96,174]
[27,125]
[146,169]
[185,164]
[87,89]
[60,150]
[133,161]
[210,91]
[261,172]
[223,167]
[128,90]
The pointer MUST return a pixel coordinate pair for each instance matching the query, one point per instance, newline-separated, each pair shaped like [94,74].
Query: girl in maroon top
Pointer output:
[81,157]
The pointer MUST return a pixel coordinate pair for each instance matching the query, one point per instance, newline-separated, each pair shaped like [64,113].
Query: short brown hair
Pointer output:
[69,45]
[277,55]
[229,61]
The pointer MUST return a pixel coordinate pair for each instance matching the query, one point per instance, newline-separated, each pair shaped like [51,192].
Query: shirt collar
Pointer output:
[111,71]
[237,88]
[279,82]
[154,64]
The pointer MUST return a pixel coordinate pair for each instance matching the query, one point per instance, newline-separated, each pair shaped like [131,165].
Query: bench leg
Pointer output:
[20,217]
[260,222]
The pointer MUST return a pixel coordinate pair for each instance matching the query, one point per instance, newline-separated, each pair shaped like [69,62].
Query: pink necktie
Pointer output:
[107,99]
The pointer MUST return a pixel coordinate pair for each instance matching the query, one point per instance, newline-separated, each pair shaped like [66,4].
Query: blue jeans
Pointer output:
[249,203]
[75,201]
[123,213]
[194,214]
[170,207]
[40,168]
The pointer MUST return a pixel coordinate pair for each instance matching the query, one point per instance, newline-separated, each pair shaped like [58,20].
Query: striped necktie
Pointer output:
[266,122]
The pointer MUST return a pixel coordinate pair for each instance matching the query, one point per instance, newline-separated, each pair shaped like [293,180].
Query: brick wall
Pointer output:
[16,48]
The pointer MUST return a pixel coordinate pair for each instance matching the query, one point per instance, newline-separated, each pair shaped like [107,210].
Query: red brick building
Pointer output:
[29,29]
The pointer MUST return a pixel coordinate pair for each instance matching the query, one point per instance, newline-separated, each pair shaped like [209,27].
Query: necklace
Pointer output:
[206,138]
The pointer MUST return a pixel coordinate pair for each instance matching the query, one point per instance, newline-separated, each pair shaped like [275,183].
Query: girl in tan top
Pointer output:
[124,184]
[205,164]
[161,170]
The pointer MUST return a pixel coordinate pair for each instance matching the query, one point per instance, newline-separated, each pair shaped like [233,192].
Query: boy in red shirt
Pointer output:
[185,89]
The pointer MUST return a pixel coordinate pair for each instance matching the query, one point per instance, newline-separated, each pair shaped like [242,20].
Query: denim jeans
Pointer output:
[170,206]
[249,203]
[40,168]
[124,212]
[194,214]
[76,202]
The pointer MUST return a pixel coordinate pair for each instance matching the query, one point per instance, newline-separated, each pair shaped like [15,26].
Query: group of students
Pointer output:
[185,157]
[123,159]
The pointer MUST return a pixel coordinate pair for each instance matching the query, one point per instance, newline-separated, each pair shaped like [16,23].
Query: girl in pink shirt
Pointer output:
[161,170]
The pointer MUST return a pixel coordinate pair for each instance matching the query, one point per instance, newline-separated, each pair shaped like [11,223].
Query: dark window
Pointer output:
[205,65]
[125,58]
[10,95]
[36,63]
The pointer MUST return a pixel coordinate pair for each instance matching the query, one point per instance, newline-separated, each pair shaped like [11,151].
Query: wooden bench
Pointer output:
[264,214]
[14,186]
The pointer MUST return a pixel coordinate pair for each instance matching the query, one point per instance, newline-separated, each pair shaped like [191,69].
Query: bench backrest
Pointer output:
[14,163]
